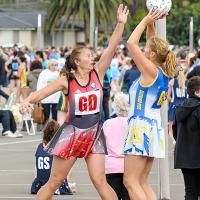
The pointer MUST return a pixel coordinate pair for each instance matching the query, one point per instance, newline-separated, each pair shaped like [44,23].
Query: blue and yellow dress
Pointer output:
[145,134]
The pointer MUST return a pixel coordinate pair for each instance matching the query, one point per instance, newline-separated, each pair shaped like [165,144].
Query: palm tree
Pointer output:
[137,4]
[60,11]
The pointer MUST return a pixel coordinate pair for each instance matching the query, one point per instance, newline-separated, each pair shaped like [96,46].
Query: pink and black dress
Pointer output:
[81,134]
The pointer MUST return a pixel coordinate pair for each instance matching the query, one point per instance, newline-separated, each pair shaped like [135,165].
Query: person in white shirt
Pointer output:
[46,77]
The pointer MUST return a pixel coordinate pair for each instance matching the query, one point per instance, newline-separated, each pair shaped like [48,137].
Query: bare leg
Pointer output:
[59,171]
[170,131]
[96,169]
[133,170]
[144,181]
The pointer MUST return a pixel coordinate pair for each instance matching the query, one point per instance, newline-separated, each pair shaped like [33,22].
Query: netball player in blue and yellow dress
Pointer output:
[145,138]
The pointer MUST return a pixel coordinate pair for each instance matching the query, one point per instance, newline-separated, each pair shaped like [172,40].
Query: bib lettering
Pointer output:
[87,103]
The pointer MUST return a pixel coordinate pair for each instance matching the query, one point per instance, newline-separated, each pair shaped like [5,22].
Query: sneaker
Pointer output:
[18,135]
[5,133]
[72,187]
[9,134]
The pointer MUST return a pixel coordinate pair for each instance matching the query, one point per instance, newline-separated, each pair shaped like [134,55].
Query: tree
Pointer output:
[60,11]
[178,30]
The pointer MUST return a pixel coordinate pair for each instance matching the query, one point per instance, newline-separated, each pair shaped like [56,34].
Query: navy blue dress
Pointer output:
[178,97]
[43,170]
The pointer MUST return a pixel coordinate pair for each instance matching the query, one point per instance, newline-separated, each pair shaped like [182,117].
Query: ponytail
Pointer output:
[70,65]
[70,68]
[163,56]
[170,64]
[181,79]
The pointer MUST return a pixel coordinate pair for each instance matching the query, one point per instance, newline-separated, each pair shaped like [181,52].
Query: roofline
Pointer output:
[17,29]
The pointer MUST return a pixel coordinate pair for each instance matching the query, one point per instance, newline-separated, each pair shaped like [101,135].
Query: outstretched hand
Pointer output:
[122,14]
[152,17]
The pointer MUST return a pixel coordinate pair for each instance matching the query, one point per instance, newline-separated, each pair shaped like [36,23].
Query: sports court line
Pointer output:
[29,170]
[20,142]
[71,198]
[78,184]
[24,184]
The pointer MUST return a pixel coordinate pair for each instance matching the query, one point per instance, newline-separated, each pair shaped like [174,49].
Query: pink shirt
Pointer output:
[115,130]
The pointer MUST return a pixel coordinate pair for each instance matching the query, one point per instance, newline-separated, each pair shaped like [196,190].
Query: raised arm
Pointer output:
[151,32]
[146,67]
[105,60]
[57,85]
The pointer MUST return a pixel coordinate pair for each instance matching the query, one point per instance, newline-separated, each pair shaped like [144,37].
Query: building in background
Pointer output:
[21,27]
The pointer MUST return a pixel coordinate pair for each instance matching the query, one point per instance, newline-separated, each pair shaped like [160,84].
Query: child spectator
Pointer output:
[44,162]
[115,130]
[186,129]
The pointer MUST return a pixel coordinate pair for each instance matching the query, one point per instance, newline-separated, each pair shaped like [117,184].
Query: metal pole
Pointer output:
[92,22]
[96,37]
[191,34]
[39,32]
[163,164]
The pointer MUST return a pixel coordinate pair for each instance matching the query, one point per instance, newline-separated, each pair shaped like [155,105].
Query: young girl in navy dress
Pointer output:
[44,161]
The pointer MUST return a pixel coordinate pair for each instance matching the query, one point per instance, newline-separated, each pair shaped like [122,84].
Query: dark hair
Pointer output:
[22,58]
[15,53]
[70,65]
[198,53]
[183,55]
[36,64]
[133,64]
[193,85]
[40,53]
[49,130]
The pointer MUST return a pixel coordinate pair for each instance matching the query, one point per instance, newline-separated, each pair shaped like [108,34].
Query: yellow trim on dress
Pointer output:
[147,86]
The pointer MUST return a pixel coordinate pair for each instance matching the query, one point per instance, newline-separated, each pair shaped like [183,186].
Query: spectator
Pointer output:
[177,94]
[9,124]
[194,72]
[130,76]
[186,133]
[46,77]
[32,76]
[3,78]
[40,57]
[11,67]
[23,89]
[115,130]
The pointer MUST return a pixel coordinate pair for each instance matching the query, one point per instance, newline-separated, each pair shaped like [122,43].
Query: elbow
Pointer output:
[131,45]
[128,44]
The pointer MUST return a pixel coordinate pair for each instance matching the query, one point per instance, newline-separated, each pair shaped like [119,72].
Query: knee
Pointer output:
[128,182]
[54,183]
[99,181]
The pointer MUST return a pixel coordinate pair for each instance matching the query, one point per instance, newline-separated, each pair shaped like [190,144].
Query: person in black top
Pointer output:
[130,76]
[186,132]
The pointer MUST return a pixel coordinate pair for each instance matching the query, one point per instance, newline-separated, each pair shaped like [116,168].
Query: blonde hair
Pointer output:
[181,79]
[120,104]
[163,55]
